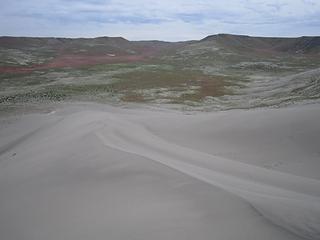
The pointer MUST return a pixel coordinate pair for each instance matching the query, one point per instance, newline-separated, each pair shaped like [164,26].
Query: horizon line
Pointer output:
[141,40]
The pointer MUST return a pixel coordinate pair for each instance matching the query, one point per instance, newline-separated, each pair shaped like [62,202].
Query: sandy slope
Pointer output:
[93,172]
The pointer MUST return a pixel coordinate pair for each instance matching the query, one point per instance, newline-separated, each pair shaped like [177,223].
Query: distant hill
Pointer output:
[307,45]
[38,53]
[42,53]
[97,45]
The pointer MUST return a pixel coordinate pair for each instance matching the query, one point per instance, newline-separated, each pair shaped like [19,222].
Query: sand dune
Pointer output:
[94,172]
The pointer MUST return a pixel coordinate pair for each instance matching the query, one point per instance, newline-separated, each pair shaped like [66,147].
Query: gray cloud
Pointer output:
[171,19]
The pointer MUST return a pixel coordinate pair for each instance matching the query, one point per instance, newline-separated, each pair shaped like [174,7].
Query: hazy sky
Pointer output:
[159,19]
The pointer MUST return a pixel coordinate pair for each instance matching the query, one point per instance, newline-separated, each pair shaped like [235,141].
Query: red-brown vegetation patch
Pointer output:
[212,86]
[74,61]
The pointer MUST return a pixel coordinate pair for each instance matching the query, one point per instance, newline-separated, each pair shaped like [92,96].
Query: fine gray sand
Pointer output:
[87,171]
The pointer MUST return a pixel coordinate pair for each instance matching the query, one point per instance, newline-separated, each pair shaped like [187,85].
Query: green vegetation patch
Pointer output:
[58,93]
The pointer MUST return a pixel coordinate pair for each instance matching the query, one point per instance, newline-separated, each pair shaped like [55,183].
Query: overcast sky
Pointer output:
[170,20]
